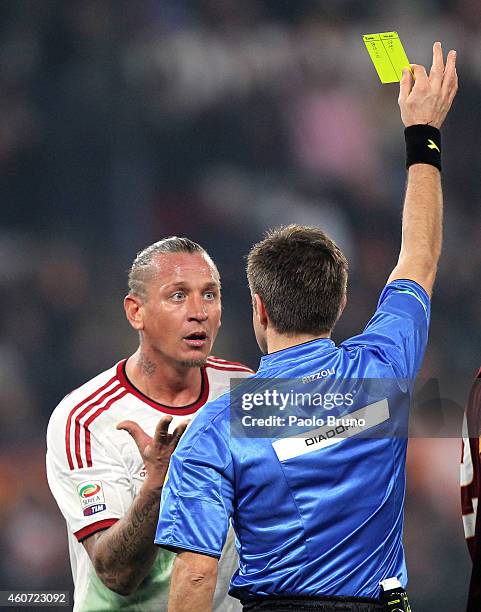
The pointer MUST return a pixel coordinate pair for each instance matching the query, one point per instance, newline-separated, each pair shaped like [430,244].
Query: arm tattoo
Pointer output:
[129,543]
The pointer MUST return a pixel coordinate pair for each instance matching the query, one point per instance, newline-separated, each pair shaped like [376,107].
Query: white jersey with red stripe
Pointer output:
[471,466]
[95,471]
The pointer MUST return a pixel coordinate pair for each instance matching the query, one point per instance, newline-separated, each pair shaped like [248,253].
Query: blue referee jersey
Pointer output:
[323,521]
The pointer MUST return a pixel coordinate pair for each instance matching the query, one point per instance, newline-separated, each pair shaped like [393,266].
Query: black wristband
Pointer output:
[423,145]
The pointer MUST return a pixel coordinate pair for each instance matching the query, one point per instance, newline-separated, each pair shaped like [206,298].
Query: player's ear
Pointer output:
[134,311]
[260,311]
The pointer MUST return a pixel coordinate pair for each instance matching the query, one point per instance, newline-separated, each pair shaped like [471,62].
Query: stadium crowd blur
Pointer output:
[122,122]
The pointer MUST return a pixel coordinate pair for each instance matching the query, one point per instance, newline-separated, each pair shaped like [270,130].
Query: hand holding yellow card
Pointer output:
[387,54]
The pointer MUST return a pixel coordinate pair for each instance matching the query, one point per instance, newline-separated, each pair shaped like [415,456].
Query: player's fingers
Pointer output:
[450,79]
[162,429]
[405,85]
[137,433]
[456,83]
[454,89]
[437,68]
[420,76]
[179,430]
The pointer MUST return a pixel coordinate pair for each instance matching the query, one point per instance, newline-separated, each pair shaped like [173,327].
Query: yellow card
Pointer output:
[387,54]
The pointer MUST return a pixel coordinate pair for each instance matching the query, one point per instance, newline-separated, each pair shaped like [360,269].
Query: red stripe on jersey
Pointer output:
[69,419]
[181,410]
[229,368]
[219,361]
[89,407]
[85,532]
[91,418]
[472,490]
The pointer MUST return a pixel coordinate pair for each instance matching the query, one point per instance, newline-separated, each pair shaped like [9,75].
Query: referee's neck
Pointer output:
[278,342]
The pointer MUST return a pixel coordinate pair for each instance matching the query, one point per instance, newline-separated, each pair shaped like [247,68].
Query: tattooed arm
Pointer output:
[124,554]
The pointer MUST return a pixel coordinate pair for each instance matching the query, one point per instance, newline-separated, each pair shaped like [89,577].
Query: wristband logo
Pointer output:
[92,499]
[433,145]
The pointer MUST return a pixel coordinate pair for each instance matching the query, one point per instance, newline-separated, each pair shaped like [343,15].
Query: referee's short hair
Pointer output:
[143,268]
[300,274]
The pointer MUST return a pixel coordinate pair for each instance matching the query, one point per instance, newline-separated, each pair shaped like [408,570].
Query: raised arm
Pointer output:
[424,101]
[123,555]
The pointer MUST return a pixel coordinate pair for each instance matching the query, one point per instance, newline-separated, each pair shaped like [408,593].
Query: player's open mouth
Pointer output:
[196,339]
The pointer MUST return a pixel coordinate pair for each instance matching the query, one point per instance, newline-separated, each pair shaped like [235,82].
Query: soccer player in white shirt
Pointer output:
[108,483]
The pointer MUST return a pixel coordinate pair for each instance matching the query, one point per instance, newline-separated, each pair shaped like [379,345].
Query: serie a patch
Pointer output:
[92,498]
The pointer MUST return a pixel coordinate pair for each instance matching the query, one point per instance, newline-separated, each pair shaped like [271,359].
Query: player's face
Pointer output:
[182,309]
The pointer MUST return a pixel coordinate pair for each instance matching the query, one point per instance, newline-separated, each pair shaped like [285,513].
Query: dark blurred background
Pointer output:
[124,121]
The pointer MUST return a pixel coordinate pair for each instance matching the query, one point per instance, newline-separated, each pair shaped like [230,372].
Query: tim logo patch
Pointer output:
[92,497]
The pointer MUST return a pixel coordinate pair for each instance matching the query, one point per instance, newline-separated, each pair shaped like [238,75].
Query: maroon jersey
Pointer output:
[471,490]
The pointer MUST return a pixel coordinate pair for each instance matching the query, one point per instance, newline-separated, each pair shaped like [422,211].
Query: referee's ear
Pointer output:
[342,305]
[260,311]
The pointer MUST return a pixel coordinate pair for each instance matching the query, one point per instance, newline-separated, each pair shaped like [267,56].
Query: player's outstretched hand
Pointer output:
[427,99]
[156,451]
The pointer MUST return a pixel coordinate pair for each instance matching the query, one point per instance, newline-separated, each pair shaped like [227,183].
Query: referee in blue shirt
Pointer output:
[318,519]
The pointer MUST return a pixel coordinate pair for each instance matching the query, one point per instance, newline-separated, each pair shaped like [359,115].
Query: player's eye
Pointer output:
[210,295]
[178,296]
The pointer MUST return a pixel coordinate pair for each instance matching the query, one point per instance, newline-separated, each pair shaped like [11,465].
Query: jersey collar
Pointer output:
[295,353]
[174,410]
